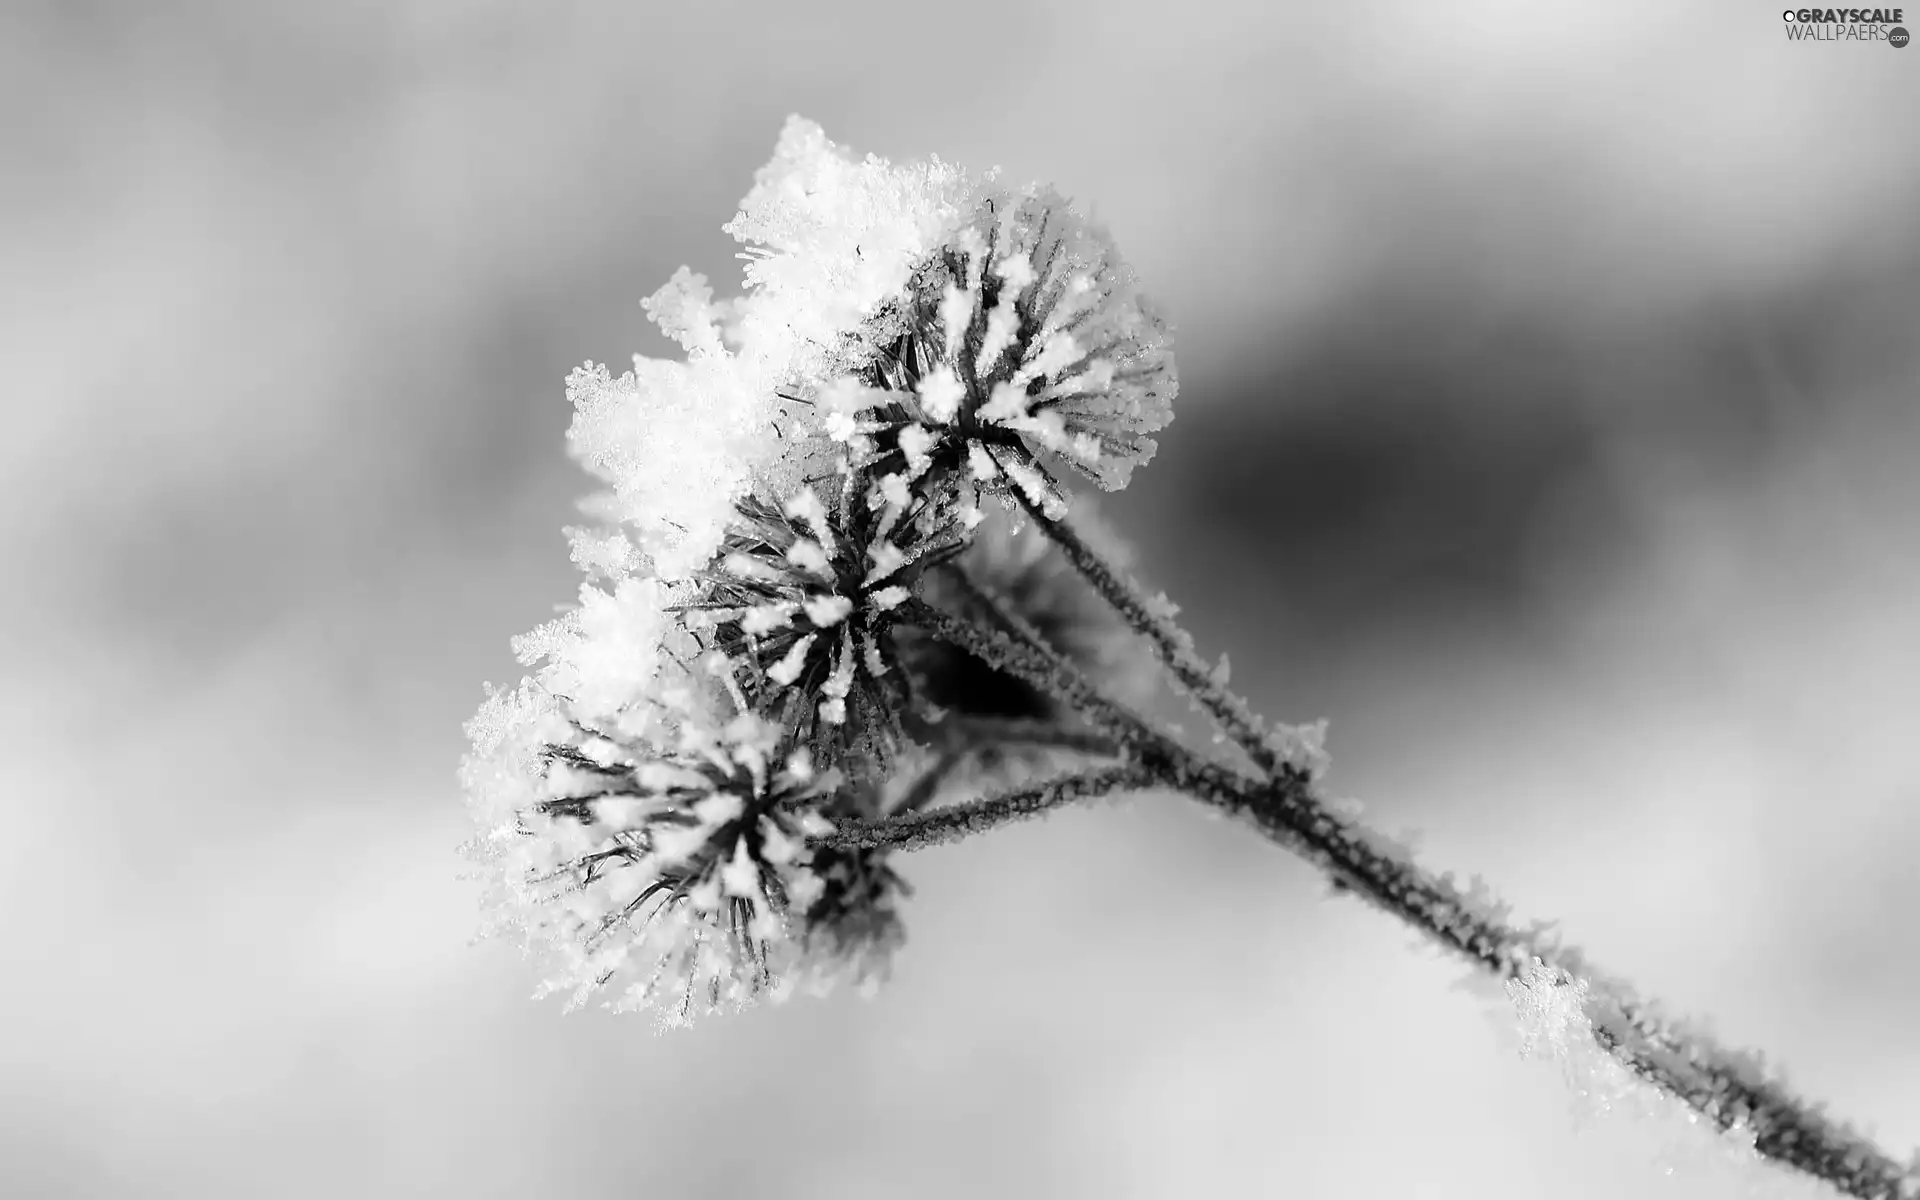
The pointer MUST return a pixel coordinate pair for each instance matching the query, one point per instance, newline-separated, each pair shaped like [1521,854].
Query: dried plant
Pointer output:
[843,604]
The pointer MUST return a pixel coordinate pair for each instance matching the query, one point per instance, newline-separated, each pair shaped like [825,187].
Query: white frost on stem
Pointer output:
[1555,1024]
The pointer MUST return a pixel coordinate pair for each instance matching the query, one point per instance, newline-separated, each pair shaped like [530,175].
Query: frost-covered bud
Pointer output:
[1022,340]
[801,602]
[853,929]
[830,237]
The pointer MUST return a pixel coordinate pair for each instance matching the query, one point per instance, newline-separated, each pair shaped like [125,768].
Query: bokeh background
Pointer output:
[1549,422]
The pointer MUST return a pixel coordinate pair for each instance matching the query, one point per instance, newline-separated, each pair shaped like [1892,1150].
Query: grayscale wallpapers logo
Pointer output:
[1846,25]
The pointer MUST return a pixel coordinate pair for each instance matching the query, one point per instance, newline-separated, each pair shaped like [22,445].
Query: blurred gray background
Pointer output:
[1549,421]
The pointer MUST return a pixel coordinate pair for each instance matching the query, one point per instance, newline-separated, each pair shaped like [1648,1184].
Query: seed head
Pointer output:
[801,603]
[1021,341]
[667,874]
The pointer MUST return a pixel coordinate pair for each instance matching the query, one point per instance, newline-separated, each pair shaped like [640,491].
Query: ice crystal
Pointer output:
[1554,1024]
[501,772]
[678,441]
[1562,1016]
[832,237]
[1302,747]
[605,655]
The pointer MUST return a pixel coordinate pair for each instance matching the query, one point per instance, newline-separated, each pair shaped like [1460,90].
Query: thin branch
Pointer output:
[1728,1087]
[1023,632]
[962,737]
[1037,667]
[927,786]
[1172,644]
[916,831]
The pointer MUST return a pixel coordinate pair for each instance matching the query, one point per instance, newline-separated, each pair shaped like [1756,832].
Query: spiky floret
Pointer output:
[668,874]
[1023,339]
[675,873]
[829,237]
[800,602]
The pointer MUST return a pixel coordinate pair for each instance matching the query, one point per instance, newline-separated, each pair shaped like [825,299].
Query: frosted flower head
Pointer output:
[731,681]
[801,602]
[667,876]
[829,237]
[1023,340]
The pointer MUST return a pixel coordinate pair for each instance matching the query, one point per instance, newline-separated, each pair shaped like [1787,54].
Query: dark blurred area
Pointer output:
[1548,421]
[1401,462]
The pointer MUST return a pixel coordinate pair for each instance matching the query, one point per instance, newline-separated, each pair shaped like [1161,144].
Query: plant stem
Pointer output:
[918,830]
[928,785]
[1173,645]
[1035,664]
[1730,1088]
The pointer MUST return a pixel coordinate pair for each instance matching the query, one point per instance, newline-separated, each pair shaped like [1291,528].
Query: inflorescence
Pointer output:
[816,603]
[743,673]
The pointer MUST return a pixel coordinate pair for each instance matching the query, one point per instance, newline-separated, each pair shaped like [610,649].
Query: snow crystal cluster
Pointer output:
[742,673]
